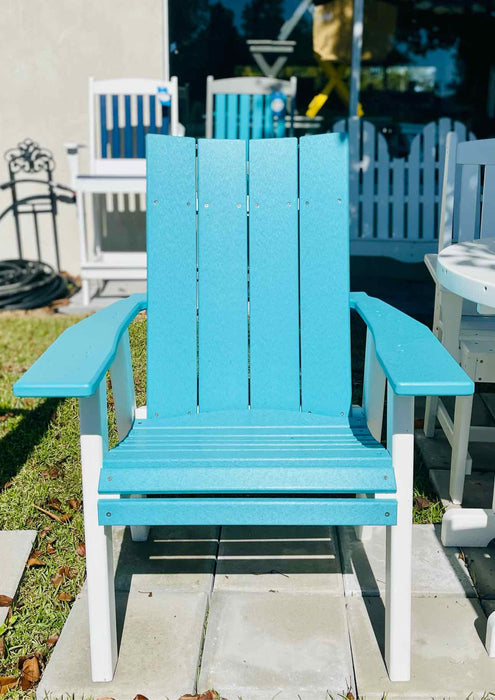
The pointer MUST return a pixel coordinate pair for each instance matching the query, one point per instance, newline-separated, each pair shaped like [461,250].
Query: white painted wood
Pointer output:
[251,85]
[490,635]
[400,443]
[368,181]
[468,527]
[429,193]
[99,553]
[383,188]
[398,198]
[105,183]
[468,270]
[165,41]
[354,130]
[209,107]
[413,198]
[462,421]
[445,231]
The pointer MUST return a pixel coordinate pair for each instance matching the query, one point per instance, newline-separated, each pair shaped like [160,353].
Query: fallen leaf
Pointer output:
[8,484]
[30,673]
[52,640]
[5,601]
[349,695]
[34,561]
[207,695]
[56,580]
[7,683]
[45,531]
[4,416]
[50,549]
[65,517]
[421,503]
[81,549]
[52,473]
[107,697]
[67,571]
[55,503]
[63,595]
[2,648]
[140,697]
[74,503]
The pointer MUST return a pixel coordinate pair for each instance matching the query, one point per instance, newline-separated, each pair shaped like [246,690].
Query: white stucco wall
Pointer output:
[48,49]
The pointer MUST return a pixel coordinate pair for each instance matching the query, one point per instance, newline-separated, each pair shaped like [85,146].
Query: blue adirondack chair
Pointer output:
[249,417]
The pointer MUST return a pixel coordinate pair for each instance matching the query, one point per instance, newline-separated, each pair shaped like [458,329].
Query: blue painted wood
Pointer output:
[268,119]
[152,127]
[171,242]
[140,144]
[103,126]
[324,274]
[232,116]
[77,361]
[414,361]
[222,246]
[257,117]
[127,127]
[274,274]
[280,127]
[252,511]
[244,116]
[220,116]
[115,127]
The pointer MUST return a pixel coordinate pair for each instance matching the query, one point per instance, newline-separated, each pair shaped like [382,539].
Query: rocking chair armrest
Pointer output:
[77,361]
[414,362]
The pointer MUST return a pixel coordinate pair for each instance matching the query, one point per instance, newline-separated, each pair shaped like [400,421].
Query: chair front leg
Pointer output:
[400,443]
[99,553]
[125,408]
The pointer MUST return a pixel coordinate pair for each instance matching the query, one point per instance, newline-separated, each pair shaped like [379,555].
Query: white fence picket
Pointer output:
[394,203]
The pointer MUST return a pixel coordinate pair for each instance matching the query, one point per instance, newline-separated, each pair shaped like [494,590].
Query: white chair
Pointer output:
[250,107]
[467,213]
[121,112]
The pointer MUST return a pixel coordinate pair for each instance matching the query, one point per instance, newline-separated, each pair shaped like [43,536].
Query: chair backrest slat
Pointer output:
[231,116]
[222,286]
[248,311]
[220,116]
[171,241]
[469,203]
[273,274]
[324,272]
[488,210]
[244,109]
[257,131]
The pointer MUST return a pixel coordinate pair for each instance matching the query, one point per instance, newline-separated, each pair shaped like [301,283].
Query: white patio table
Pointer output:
[468,270]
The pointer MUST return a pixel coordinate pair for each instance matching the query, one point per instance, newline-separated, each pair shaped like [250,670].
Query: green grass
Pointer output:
[37,436]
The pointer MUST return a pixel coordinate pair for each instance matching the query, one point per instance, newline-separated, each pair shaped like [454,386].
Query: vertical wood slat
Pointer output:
[115,127]
[444,126]
[324,246]
[232,116]
[429,224]
[469,199]
[220,114]
[171,237]
[280,127]
[398,198]
[413,203]
[103,126]
[127,127]
[273,274]
[140,144]
[488,210]
[244,107]
[383,189]
[268,118]
[368,183]
[257,131]
[222,262]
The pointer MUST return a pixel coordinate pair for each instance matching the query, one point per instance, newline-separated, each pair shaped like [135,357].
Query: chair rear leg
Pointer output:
[99,554]
[430,416]
[462,423]
[400,437]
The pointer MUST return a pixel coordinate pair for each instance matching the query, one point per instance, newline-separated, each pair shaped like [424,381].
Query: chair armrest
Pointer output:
[413,360]
[77,361]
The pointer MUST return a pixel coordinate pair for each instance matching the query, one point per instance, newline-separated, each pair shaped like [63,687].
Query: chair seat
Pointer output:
[248,452]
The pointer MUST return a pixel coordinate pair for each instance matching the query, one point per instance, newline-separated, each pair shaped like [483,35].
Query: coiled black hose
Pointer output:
[28,284]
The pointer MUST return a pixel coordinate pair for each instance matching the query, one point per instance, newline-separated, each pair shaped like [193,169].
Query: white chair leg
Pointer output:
[99,553]
[430,416]
[86,294]
[400,438]
[462,423]
[125,409]
[373,405]
[490,635]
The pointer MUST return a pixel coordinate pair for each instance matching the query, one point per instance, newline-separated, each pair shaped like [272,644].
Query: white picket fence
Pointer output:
[394,201]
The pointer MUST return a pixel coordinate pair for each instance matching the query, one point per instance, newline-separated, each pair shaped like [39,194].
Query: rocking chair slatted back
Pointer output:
[248,308]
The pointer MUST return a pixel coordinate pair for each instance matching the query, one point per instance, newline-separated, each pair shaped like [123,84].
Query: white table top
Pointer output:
[468,270]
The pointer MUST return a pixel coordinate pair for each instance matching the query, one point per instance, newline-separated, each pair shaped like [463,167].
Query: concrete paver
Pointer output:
[15,547]
[437,570]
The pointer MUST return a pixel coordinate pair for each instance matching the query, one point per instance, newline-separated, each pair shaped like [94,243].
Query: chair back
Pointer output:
[467,210]
[249,107]
[248,275]
[122,112]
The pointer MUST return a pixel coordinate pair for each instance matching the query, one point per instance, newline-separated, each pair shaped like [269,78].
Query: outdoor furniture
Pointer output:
[462,270]
[121,113]
[249,418]
[249,107]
